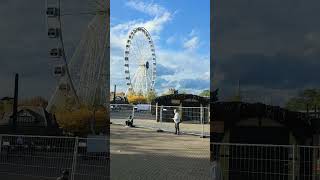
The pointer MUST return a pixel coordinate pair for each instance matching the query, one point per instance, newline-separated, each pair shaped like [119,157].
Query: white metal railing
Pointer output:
[261,161]
[47,156]
[195,120]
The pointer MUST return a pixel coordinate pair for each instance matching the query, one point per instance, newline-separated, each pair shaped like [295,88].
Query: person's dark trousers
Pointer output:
[177,128]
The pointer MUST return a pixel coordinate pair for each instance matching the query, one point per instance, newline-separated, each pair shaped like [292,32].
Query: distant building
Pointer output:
[31,120]
[120,98]
[172,91]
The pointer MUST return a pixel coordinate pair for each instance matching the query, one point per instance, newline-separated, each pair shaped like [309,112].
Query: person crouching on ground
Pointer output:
[64,176]
[129,122]
[176,120]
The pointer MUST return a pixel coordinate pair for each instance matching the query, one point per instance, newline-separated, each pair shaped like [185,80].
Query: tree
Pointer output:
[205,93]
[151,96]
[6,106]
[77,121]
[136,98]
[34,101]
[306,98]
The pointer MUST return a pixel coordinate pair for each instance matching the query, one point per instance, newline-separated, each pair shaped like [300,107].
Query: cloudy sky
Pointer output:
[272,47]
[181,33]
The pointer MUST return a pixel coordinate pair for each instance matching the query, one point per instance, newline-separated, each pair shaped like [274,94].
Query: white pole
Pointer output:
[133,111]
[293,162]
[156,112]
[209,118]
[161,108]
[75,155]
[202,119]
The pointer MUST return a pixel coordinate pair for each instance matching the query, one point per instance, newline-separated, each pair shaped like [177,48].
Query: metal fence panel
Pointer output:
[195,120]
[45,157]
[252,161]
[36,155]
[92,163]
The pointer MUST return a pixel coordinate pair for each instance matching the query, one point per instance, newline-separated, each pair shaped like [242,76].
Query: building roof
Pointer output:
[231,112]
[36,111]
[168,98]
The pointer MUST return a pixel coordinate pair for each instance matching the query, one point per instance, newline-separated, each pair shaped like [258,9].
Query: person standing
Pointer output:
[176,120]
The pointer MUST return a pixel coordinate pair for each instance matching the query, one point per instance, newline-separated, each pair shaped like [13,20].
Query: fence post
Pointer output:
[0,143]
[202,120]
[181,111]
[293,162]
[74,160]
[161,109]
[150,108]
[156,112]
[159,129]
[209,114]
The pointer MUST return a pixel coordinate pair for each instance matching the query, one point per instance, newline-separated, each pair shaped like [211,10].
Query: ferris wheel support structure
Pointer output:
[83,77]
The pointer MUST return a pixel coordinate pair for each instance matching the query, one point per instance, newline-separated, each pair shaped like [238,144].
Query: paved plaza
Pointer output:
[138,153]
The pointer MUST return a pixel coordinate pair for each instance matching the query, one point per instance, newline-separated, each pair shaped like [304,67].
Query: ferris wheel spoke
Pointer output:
[137,50]
[134,52]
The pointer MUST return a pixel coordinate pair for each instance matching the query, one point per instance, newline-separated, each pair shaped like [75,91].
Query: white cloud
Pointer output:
[151,9]
[193,33]
[192,43]
[187,65]
[171,40]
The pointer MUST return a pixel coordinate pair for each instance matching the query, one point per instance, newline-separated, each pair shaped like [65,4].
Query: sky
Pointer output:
[181,33]
[272,47]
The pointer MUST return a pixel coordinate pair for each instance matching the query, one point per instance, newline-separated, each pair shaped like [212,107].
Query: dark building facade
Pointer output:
[245,123]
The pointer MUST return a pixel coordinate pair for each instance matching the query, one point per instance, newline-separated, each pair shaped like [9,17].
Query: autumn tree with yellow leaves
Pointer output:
[78,120]
[136,98]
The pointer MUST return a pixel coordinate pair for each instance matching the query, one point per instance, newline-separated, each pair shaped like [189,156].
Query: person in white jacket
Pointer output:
[176,120]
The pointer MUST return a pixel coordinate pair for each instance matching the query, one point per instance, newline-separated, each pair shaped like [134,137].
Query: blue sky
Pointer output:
[181,33]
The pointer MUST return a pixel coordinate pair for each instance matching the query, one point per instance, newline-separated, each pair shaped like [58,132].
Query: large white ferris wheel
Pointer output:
[140,61]
[83,77]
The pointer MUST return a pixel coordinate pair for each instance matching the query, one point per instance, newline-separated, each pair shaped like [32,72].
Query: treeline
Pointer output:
[308,99]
